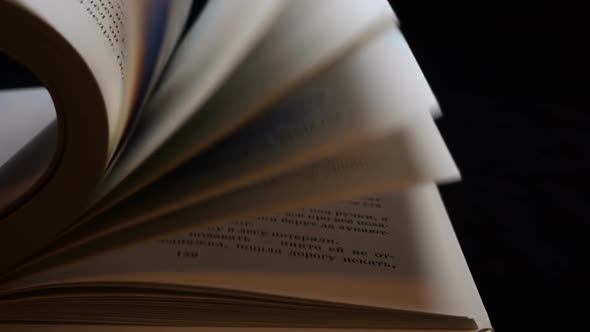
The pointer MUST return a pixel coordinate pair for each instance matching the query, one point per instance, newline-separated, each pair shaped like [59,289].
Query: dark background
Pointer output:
[511,79]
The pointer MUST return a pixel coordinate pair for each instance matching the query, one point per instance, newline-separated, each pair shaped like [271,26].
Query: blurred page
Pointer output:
[414,155]
[395,251]
[106,38]
[166,21]
[90,55]
[199,66]
[370,94]
[121,42]
[288,54]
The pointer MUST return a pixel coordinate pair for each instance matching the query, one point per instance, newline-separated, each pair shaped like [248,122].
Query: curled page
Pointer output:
[92,58]
[415,155]
[86,108]
[199,66]
[393,251]
[370,93]
[288,56]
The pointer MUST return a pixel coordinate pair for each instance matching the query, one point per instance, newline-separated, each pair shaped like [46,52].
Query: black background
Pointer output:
[511,79]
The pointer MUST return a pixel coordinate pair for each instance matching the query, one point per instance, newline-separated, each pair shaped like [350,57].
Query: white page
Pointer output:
[72,20]
[172,27]
[416,154]
[289,54]
[165,23]
[89,56]
[394,251]
[201,63]
[413,155]
[114,39]
[369,94]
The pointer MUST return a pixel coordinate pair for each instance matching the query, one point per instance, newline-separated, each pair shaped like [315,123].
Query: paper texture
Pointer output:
[286,57]
[353,97]
[393,251]
[201,64]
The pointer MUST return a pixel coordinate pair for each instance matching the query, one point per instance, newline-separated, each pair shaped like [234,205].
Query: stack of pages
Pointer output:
[270,164]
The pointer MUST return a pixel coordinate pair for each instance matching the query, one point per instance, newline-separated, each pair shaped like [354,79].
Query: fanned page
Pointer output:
[416,154]
[201,64]
[356,95]
[110,36]
[393,251]
[287,56]
[283,175]
[87,56]
[97,59]
[164,23]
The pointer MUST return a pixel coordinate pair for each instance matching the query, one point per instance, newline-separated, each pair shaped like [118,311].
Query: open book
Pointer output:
[264,164]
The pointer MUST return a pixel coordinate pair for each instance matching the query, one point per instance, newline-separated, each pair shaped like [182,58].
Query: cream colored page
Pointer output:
[417,154]
[175,21]
[163,25]
[397,161]
[290,53]
[370,94]
[214,46]
[105,33]
[394,251]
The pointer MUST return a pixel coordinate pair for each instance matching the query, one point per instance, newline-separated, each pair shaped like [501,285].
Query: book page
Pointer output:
[57,49]
[370,93]
[104,42]
[356,96]
[124,43]
[199,66]
[163,27]
[393,251]
[414,155]
[89,55]
[286,57]
[166,20]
